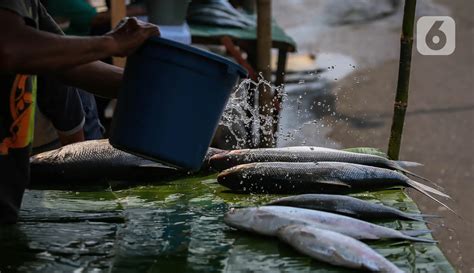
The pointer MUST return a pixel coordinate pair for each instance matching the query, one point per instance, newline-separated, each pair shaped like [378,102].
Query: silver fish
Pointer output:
[233,158]
[96,160]
[335,248]
[321,177]
[346,205]
[267,220]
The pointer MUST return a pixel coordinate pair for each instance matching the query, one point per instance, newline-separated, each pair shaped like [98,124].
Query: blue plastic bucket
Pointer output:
[172,98]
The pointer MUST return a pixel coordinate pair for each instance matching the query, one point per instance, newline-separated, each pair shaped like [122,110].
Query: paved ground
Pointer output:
[439,130]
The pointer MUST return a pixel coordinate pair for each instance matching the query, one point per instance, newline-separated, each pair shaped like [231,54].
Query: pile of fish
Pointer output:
[321,222]
[313,170]
[218,13]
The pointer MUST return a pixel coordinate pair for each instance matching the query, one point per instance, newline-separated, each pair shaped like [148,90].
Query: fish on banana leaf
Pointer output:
[96,160]
[320,177]
[233,158]
[347,205]
[267,220]
[335,248]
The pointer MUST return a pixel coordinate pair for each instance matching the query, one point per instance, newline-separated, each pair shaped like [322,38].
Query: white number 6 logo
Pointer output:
[436,35]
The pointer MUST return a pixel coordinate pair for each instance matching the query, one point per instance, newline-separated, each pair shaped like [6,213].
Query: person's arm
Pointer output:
[66,139]
[98,77]
[62,106]
[24,49]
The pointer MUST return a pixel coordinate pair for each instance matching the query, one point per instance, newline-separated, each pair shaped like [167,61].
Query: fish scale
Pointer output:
[346,205]
[335,248]
[233,158]
[309,177]
[294,154]
[96,160]
[267,220]
[321,177]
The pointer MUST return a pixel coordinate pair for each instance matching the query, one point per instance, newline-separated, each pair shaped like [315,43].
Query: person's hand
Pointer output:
[129,34]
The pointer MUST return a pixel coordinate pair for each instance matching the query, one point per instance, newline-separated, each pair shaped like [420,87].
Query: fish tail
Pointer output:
[417,176]
[413,217]
[401,165]
[421,216]
[414,233]
[407,164]
[423,189]
[421,240]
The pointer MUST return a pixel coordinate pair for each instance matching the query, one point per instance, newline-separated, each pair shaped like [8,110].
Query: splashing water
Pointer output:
[242,116]
[309,108]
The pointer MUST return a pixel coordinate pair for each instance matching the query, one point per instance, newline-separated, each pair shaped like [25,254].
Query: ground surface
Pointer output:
[439,128]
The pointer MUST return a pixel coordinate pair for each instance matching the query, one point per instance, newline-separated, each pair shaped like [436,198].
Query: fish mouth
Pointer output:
[220,161]
[225,159]
[231,177]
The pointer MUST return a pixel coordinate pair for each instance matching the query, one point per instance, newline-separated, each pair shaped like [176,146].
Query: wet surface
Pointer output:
[177,227]
[440,119]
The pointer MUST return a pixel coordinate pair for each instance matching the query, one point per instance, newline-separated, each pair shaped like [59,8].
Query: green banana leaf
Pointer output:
[174,226]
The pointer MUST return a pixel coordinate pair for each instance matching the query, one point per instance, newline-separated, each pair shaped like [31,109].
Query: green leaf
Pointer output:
[178,227]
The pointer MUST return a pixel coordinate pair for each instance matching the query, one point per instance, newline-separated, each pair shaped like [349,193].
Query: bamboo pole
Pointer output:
[401,99]
[118,10]
[264,46]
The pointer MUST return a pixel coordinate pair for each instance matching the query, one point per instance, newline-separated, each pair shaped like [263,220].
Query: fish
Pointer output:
[267,220]
[201,19]
[96,160]
[347,205]
[219,13]
[223,6]
[335,248]
[233,158]
[320,177]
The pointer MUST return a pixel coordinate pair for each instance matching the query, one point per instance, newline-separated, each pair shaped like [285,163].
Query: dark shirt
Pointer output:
[17,108]
[59,109]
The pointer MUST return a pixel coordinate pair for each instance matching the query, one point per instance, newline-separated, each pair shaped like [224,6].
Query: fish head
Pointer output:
[233,177]
[214,151]
[225,159]
[219,161]
[240,218]
[262,220]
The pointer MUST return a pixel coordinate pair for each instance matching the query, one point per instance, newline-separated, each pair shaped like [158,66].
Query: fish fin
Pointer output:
[421,240]
[400,166]
[348,212]
[414,217]
[408,164]
[155,165]
[414,233]
[370,267]
[421,216]
[335,183]
[423,191]
[419,186]
[407,172]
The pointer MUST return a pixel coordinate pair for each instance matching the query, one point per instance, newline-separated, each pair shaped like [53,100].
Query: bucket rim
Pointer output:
[232,66]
